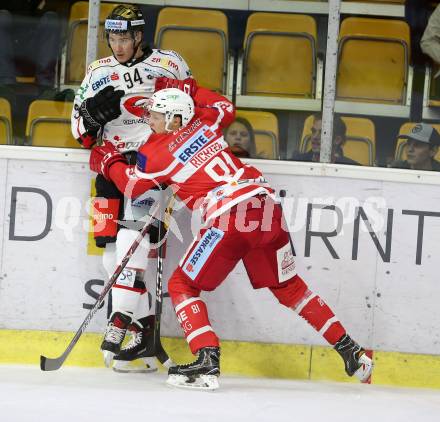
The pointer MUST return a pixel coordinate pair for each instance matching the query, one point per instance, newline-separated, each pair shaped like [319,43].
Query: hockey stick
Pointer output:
[159,290]
[52,364]
[157,349]
[283,195]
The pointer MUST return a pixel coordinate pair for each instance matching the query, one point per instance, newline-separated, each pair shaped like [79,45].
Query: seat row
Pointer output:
[48,124]
[279,56]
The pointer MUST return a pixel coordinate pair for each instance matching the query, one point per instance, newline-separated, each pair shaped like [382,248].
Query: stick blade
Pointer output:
[48,364]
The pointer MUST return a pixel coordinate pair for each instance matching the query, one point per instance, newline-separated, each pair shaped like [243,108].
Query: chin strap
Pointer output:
[131,61]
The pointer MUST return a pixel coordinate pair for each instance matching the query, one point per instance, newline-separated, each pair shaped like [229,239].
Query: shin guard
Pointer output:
[192,315]
[127,291]
[319,315]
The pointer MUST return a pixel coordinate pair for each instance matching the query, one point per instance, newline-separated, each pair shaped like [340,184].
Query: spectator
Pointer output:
[417,14]
[339,138]
[241,138]
[430,42]
[421,146]
[30,40]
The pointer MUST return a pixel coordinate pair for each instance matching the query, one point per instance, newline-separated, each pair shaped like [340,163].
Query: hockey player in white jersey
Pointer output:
[110,106]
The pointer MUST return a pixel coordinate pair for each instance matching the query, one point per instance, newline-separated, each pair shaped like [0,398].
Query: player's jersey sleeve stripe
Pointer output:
[220,116]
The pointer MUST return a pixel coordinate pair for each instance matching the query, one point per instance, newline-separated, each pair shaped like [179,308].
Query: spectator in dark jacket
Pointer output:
[30,40]
[339,138]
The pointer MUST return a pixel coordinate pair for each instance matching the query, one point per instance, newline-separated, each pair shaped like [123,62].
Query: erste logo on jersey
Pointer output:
[105,80]
[194,144]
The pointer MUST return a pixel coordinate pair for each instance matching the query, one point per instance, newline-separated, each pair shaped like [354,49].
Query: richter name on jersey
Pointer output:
[196,151]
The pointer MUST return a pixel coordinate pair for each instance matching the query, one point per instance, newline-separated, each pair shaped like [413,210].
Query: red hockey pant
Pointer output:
[256,236]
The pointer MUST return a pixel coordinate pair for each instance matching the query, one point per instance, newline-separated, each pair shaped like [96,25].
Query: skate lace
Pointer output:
[350,352]
[136,338]
[114,334]
[202,358]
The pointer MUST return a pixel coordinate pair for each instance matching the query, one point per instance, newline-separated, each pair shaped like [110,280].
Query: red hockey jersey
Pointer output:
[196,161]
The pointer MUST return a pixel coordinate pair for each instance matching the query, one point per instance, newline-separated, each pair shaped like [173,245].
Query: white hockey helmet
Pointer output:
[172,102]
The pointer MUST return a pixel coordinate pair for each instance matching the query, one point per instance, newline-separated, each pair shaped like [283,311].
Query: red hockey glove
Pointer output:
[87,141]
[188,85]
[102,157]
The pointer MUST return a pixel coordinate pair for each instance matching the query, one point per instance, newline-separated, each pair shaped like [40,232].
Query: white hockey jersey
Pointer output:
[130,130]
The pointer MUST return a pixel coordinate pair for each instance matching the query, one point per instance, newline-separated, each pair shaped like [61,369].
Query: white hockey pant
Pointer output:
[128,293]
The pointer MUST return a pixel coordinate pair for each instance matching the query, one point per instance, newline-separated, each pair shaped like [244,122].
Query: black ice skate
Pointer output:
[140,344]
[114,335]
[202,374]
[356,361]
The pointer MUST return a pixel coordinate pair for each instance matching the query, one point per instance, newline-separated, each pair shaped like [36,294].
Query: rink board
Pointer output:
[366,240]
[286,361]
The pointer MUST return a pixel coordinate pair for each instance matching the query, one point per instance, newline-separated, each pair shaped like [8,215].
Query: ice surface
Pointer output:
[82,395]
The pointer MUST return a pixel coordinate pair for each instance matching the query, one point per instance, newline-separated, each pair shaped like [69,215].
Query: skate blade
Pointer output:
[108,357]
[133,367]
[365,370]
[203,382]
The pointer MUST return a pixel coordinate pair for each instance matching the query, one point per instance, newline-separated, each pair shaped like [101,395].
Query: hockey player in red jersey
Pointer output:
[243,221]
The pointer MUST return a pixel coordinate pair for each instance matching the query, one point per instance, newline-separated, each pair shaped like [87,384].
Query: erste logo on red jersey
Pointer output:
[194,144]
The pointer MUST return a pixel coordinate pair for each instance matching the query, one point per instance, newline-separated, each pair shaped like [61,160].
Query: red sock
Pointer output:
[318,314]
[193,318]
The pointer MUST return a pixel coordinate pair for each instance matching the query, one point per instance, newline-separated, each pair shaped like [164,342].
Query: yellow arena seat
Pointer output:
[360,144]
[5,122]
[400,151]
[432,71]
[279,56]
[265,126]
[48,124]
[77,40]
[374,56]
[201,38]
[80,10]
